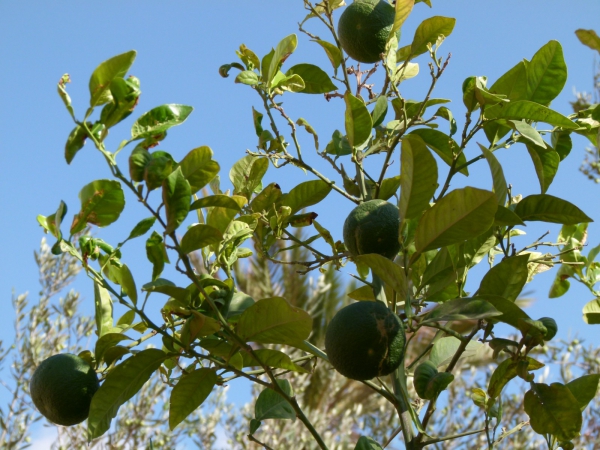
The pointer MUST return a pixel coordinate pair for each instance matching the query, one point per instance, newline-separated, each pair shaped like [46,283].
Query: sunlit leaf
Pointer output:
[102,202]
[159,119]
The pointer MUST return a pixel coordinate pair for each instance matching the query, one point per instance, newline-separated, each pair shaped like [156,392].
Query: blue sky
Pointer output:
[180,47]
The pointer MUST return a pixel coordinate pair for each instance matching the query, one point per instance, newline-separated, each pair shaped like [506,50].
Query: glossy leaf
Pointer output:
[138,160]
[274,321]
[546,163]
[506,279]
[366,443]
[272,358]
[511,313]
[461,309]
[104,310]
[552,409]
[159,166]
[357,120]
[388,271]
[445,113]
[122,383]
[589,38]
[283,50]
[271,405]
[462,214]
[562,143]
[99,84]
[506,371]
[102,202]
[218,200]
[269,196]
[75,142]
[403,9]
[428,32]
[199,168]
[333,53]
[418,177]
[527,132]
[156,254]
[159,119]
[500,185]
[189,393]
[443,145]
[316,81]
[591,312]
[547,208]
[247,173]
[428,382]
[389,186]
[546,74]
[176,197]
[220,217]
[200,236]
[584,389]
[380,110]
[123,277]
[306,194]
[142,227]
[527,110]
[507,218]
[248,77]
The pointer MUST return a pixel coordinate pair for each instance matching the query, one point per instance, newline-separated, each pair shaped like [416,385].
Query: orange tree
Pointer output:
[212,332]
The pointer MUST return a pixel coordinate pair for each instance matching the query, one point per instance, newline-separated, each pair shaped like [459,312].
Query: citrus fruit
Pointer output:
[364,27]
[62,388]
[373,227]
[365,340]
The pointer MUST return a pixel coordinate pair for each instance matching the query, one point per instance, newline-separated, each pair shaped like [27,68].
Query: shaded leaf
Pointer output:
[199,168]
[546,74]
[511,313]
[527,110]
[272,358]
[316,81]
[444,349]
[104,310]
[547,208]
[271,405]
[388,271]
[105,342]
[545,162]
[176,197]
[506,279]
[142,227]
[333,53]
[366,443]
[428,382]
[506,371]
[461,309]
[500,185]
[306,194]
[218,200]
[189,393]
[591,312]
[443,145]
[584,389]
[200,236]
[357,120]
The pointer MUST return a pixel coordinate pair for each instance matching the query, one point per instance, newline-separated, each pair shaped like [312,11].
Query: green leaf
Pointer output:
[363,293]
[546,74]
[218,200]
[380,110]
[248,77]
[75,142]
[306,194]
[200,236]
[168,288]
[528,133]
[333,53]
[338,145]
[513,83]
[403,9]
[199,168]
[389,187]
[418,177]
[156,254]
[271,405]
[591,312]
[283,50]
[138,160]
[123,277]
[553,410]
[176,197]
[159,119]
[461,309]
[506,218]
[428,382]
[142,227]
[527,110]
[220,217]
[316,81]
[366,443]
[445,348]
[272,358]
[428,32]
[160,165]
[247,173]
[589,38]
[274,321]
[445,113]
[584,389]
[547,208]
[105,342]
[269,196]
[443,145]
[506,279]
[511,313]
[309,129]
[462,214]
[358,120]
[546,163]
[506,371]
[388,271]
[53,222]
[189,393]
[500,185]
[102,202]
[562,143]
[104,310]
[122,383]
[117,66]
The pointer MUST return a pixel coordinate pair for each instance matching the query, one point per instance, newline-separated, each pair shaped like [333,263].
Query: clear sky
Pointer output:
[180,47]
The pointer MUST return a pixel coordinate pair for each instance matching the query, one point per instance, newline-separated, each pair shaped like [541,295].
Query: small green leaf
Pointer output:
[272,358]
[506,371]
[105,342]
[104,310]
[363,293]
[142,227]
[591,312]
[364,442]
[389,187]
[316,81]
[271,405]
[527,110]
[159,119]
[159,167]
[447,114]
[138,160]
[445,348]
[75,142]
[123,277]
[283,50]
[247,173]
[584,389]
[333,53]
[200,236]
[506,218]
[462,214]
[199,168]
[511,313]
[546,74]
[102,202]
[101,78]
[358,120]
[547,208]
[461,309]
[274,321]
[552,409]
[428,32]
[589,38]
[248,77]
[443,145]
[219,200]
[403,9]
[189,393]
[506,279]
[156,254]
[306,194]
[388,271]
[303,123]
[562,143]
[269,196]
[428,382]
[418,177]
[546,163]
[122,383]
[380,110]
[500,185]
[176,197]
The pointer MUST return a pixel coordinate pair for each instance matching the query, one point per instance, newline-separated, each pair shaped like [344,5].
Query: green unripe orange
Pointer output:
[365,340]
[373,227]
[62,388]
